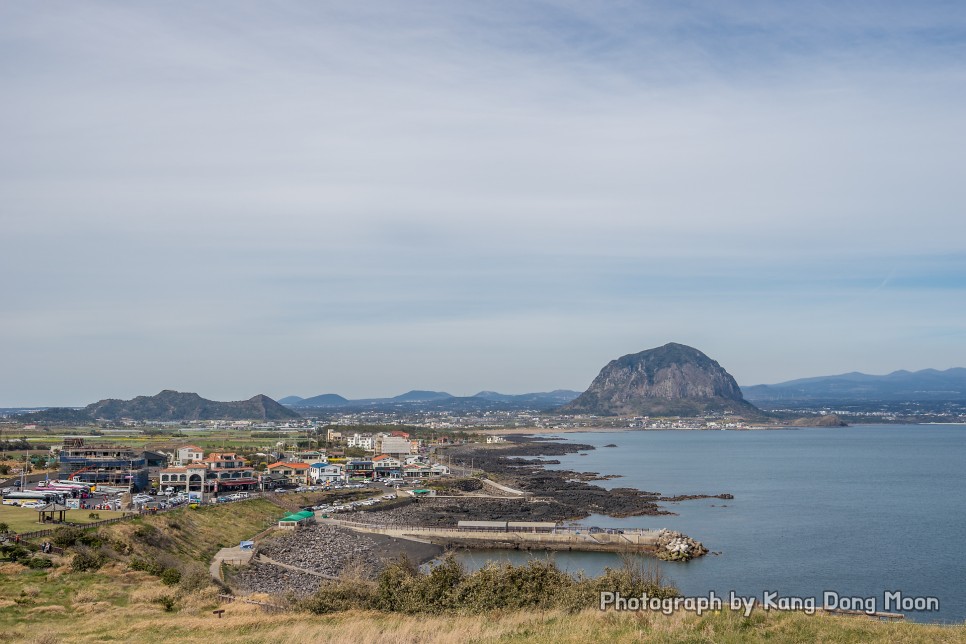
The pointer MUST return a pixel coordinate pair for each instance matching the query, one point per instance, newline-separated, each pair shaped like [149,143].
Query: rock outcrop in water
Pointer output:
[673,380]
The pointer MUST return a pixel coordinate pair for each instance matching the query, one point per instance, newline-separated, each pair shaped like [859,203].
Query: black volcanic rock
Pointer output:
[171,406]
[673,380]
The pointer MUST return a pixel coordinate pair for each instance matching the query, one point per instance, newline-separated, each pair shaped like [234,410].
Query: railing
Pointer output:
[84,526]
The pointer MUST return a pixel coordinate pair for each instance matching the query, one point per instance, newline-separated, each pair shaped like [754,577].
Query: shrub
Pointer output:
[148,534]
[84,561]
[40,563]
[147,565]
[447,588]
[170,576]
[4,528]
[91,539]
[66,536]
[14,552]
[167,602]
[194,578]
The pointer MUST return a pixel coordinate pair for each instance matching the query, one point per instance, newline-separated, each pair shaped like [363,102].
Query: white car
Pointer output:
[33,504]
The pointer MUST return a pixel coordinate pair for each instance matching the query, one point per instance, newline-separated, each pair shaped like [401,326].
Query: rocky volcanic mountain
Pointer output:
[170,406]
[673,380]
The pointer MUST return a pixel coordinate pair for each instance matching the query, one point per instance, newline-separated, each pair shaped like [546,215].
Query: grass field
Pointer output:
[25,520]
[117,605]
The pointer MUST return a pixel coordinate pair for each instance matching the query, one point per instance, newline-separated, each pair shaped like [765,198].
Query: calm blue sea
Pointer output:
[858,511]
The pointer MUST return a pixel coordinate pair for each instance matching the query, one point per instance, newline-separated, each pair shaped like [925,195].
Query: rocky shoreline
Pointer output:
[299,561]
[521,465]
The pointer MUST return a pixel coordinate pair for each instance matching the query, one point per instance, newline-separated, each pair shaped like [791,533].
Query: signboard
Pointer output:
[194,497]
[73,504]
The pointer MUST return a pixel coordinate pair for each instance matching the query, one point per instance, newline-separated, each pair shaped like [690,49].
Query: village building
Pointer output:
[189,454]
[294,473]
[363,441]
[320,473]
[393,445]
[385,465]
[218,472]
[102,464]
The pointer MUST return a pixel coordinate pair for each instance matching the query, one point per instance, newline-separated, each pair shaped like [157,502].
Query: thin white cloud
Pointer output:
[185,175]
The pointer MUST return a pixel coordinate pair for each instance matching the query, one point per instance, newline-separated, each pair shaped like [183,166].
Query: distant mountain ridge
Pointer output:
[902,385]
[438,400]
[671,380]
[169,405]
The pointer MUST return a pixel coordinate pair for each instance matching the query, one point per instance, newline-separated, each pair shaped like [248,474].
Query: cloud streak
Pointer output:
[303,191]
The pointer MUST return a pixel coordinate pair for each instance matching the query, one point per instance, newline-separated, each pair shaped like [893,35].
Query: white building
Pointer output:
[326,472]
[189,454]
[360,440]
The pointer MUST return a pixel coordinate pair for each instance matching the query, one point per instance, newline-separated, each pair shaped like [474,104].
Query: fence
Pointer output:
[84,526]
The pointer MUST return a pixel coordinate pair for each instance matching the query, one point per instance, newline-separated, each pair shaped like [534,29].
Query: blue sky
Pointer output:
[303,197]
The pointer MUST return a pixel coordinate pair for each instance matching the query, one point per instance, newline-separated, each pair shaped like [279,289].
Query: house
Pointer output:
[294,473]
[326,473]
[189,454]
[311,456]
[386,465]
[495,439]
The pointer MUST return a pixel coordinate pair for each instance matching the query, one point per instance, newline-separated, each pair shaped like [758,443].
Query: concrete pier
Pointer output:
[579,539]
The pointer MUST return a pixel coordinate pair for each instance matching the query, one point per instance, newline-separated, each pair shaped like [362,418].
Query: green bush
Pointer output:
[91,539]
[40,563]
[448,588]
[14,552]
[147,565]
[66,536]
[84,562]
[170,576]
[149,534]
[167,602]
[4,528]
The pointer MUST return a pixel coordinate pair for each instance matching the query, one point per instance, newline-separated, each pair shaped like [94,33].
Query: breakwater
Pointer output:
[663,544]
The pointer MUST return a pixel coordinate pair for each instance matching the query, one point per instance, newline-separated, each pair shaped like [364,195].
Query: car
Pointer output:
[33,504]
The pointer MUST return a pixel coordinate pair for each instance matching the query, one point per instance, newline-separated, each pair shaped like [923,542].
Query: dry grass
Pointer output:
[143,621]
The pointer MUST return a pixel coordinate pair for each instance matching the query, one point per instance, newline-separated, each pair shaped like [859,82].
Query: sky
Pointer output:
[295,197]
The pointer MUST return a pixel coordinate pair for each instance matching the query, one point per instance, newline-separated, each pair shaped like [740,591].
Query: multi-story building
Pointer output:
[360,440]
[393,445]
[294,473]
[386,465]
[359,469]
[103,464]
[219,472]
[326,472]
[228,471]
[189,454]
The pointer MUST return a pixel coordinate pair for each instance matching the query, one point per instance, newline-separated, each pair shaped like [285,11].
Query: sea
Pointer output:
[875,513]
